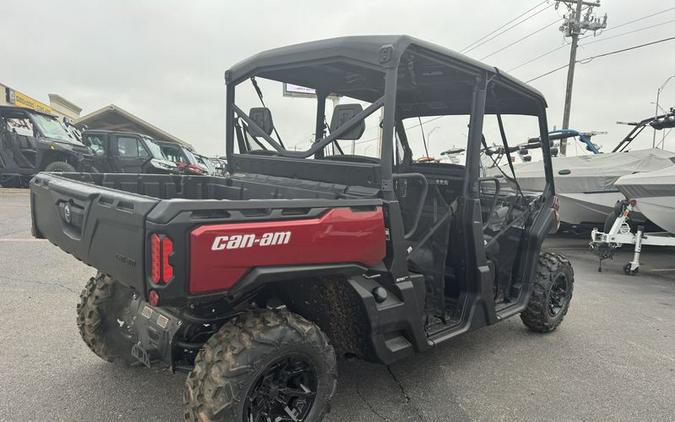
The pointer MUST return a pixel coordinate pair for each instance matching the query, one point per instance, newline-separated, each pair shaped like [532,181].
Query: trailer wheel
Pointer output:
[264,365]
[100,319]
[627,269]
[551,295]
[60,167]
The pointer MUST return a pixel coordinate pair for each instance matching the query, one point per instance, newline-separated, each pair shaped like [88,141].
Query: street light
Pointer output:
[656,111]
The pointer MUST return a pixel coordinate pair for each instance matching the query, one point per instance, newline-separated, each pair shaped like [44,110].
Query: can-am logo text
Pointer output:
[241,241]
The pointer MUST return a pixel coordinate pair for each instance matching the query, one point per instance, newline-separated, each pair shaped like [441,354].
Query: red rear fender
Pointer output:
[221,254]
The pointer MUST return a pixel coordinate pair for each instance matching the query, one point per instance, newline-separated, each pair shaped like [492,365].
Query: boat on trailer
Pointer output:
[585,184]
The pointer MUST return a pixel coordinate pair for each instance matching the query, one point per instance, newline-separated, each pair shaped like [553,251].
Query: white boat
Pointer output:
[585,184]
[655,195]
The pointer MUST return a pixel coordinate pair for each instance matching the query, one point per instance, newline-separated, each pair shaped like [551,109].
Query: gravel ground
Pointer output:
[612,359]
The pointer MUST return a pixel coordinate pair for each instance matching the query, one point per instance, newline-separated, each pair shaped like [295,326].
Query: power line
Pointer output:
[521,39]
[629,32]
[506,24]
[547,73]
[466,50]
[639,19]
[601,39]
[538,57]
[609,53]
[589,59]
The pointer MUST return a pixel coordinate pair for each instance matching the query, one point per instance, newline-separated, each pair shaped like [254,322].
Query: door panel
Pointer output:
[130,154]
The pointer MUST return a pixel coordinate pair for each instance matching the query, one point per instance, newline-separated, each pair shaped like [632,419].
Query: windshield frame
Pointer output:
[153,148]
[40,120]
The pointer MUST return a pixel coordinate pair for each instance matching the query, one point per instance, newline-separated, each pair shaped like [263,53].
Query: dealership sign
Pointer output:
[20,99]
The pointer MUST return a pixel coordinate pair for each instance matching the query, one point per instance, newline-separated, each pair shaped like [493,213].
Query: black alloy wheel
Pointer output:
[551,293]
[557,296]
[285,391]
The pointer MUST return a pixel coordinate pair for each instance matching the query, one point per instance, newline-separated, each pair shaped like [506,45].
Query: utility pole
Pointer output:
[573,27]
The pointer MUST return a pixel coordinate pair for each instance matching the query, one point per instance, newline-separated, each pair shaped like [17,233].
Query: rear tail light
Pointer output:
[155,273]
[161,247]
[167,269]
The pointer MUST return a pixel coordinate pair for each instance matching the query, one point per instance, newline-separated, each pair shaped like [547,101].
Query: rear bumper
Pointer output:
[155,331]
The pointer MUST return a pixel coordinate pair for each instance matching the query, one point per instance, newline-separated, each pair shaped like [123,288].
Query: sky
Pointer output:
[164,60]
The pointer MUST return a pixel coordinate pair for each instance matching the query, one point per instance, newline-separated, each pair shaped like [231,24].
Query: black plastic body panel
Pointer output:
[106,226]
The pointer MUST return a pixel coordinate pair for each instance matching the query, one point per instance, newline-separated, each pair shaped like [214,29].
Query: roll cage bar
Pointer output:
[420,79]
[319,144]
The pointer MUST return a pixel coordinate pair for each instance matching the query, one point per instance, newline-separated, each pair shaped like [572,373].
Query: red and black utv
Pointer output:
[306,252]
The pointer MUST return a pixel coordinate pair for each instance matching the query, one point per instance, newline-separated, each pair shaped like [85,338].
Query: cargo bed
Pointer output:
[104,220]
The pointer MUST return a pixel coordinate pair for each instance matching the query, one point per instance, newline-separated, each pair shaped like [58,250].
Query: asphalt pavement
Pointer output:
[613,358]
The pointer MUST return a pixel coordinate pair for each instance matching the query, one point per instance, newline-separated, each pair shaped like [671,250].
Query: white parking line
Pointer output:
[28,239]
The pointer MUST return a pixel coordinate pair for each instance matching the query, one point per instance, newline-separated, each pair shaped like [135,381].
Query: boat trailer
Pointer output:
[605,244]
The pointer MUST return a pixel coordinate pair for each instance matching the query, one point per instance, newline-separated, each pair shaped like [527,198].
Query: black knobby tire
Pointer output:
[551,293]
[10,181]
[103,303]
[60,167]
[229,368]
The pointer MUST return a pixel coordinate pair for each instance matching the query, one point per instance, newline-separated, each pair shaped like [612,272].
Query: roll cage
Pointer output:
[404,76]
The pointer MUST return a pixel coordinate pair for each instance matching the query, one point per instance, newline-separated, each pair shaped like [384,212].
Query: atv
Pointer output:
[32,141]
[257,282]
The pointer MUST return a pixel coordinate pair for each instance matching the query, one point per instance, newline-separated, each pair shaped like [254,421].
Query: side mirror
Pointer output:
[261,116]
[342,113]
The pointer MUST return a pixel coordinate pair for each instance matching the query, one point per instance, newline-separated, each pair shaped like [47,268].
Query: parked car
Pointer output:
[184,158]
[126,152]
[220,163]
[257,282]
[32,141]
[214,166]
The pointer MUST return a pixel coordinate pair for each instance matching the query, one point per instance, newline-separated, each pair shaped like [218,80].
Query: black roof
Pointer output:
[364,51]
[117,132]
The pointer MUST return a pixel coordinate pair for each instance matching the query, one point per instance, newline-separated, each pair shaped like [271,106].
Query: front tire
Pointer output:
[262,365]
[10,181]
[101,316]
[551,293]
[60,167]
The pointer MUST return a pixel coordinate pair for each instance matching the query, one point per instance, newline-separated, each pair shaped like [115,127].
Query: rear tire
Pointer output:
[60,167]
[103,303]
[551,293]
[257,361]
